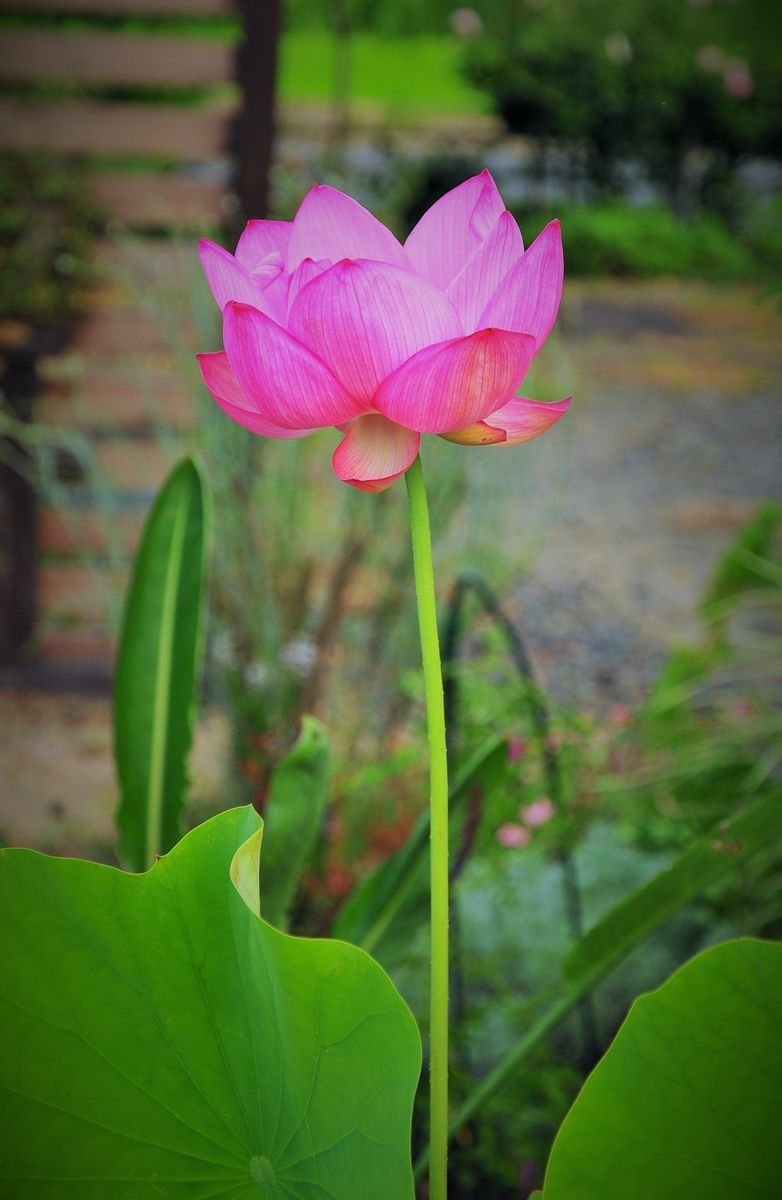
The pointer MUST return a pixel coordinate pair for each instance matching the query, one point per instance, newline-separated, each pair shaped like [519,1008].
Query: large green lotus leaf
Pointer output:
[687,1101]
[161,1040]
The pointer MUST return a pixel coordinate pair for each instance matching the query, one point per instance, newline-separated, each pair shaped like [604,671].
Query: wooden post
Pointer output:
[256,73]
[18,501]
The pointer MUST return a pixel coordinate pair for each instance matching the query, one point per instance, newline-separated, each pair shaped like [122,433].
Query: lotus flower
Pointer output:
[329,320]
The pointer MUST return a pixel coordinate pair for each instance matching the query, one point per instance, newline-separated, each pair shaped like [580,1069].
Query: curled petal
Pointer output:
[480,277]
[477,434]
[261,238]
[374,452]
[331,225]
[456,383]
[226,277]
[528,298]
[284,380]
[365,318]
[452,229]
[522,420]
[225,389]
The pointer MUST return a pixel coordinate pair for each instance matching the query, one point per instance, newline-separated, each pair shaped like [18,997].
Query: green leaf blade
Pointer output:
[163,1039]
[688,1099]
[157,667]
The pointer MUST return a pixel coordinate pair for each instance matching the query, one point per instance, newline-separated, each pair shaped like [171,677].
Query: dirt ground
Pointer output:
[672,441]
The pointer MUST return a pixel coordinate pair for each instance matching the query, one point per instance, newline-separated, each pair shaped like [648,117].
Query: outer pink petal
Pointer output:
[225,389]
[522,420]
[365,318]
[227,279]
[261,238]
[331,225]
[452,229]
[528,298]
[458,382]
[374,452]
[284,380]
[479,279]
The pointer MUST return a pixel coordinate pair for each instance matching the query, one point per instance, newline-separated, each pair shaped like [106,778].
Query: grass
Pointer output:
[402,75]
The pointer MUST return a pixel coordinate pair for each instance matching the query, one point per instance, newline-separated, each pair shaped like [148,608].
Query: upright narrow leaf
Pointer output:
[687,1101]
[162,1040]
[157,667]
[298,794]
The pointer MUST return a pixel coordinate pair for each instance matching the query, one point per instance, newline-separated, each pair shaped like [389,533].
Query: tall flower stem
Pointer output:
[438,798]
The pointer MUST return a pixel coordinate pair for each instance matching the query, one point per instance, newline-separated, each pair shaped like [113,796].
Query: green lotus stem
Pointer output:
[438,793]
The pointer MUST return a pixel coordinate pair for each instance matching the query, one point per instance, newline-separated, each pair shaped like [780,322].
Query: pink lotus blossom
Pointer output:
[513,836]
[538,813]
[329,320]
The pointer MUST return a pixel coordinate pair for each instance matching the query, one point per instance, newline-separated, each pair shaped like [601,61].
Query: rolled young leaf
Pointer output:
[298,794]
[158,664]
[687,1101]
[161,1039]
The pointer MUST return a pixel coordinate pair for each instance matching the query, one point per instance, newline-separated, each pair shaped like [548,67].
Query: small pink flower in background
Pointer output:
[511,835]
[620,715]
[537,813]
[329,320]
[737,79]
[517,748]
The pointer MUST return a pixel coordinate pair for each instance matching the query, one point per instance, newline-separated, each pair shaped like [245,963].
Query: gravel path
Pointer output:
[674,438]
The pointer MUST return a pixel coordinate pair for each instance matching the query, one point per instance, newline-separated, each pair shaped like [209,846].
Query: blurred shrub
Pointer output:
[684,90]
[621,239]
[45,236]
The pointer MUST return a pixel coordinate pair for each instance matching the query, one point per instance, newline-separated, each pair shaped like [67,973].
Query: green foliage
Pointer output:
[294,811]
[158,667]
[688,1099]
[162,1038]
[390,907]
[705,861]
[632,82]
[625,240]
[746,565]
[45,234]
[732,846]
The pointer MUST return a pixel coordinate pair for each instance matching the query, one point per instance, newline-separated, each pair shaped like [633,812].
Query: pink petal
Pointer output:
[222,383]
[452,229]
[457,383]
[261,238]
[306,271]
[538,813]
[480,277]
[477,434]
[227,279]
[374,452]
[331,225]
[513,836]
[528,298]
[522,420]
[365,318]
[284,380]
